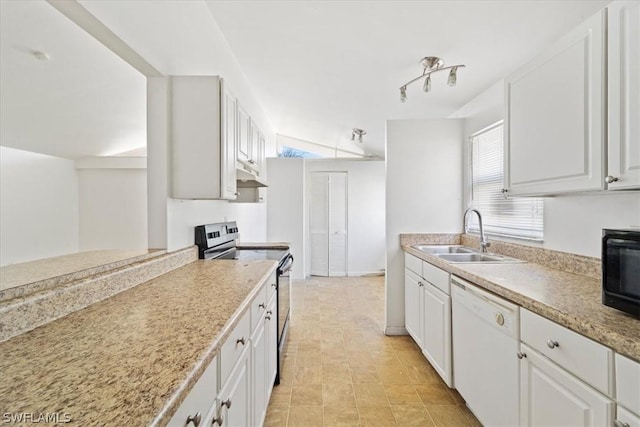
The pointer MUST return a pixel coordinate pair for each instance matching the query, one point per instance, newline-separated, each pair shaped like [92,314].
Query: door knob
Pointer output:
[611,179]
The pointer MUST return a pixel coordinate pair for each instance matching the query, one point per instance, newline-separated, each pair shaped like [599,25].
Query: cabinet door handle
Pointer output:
[240,341]
[618,423]
[194,419]
[269,312]
[611,179]
[226,403]
[420,284]
[267,317]
[218,420]
[552,344]
[521,355]
[273,285]
[262,305]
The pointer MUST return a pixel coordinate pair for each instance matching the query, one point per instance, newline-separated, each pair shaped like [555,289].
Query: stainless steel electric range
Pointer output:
[219,241]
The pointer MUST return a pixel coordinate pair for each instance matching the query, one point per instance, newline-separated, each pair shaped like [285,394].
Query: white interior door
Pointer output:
[338,224]
[328,223]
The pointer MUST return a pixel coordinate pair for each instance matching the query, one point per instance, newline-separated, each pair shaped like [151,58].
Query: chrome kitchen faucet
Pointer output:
[484,243]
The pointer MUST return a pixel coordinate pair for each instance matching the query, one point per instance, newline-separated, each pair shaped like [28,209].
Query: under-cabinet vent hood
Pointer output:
[246,179]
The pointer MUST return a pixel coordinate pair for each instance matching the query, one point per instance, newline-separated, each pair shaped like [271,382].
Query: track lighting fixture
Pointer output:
[430,65]
[359,132]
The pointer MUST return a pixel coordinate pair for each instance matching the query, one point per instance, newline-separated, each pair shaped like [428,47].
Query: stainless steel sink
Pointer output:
[476,257]
[444,249]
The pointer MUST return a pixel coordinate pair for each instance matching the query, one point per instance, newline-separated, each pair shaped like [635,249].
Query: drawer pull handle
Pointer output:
[420,284]
[269,312]
[552,344]
[521,355]
[273,285]
[267,317]
[226,403]
[240,341]
[219,420]
[263,305]
[618,423]
[195,419]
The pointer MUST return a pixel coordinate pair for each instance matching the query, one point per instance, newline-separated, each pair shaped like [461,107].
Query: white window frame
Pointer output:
[498,217]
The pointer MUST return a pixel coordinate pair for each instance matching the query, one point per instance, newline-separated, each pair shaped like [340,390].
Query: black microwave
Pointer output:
[621,270]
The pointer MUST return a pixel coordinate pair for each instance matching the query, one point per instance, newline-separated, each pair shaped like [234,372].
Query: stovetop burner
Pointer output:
[252,254]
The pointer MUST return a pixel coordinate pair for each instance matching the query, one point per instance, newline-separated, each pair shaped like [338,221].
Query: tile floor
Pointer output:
[341,370]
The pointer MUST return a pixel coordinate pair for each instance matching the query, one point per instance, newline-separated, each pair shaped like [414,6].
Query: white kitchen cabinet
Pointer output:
[437,331]
[428,313]
[244,135]
[264,343]
[200,401]
[550,396]
[413,310]
[627,384]
[555,119]
[624,95]
[625,418]
[235,395]
[203,125]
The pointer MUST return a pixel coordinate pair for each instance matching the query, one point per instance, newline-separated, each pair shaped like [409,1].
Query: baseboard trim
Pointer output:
[395,330]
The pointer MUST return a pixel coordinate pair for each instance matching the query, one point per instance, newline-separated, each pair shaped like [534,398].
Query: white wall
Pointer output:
[285,208]
[423,194]
[365,210]
[38,206]
[572,223]
[113,208]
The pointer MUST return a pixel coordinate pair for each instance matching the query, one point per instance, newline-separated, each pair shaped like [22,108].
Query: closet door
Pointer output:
[328,223]
[319,224]
[338,224]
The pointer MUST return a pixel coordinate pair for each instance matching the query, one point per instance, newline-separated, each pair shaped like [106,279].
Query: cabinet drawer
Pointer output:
[258,307]
[413,263]
[586,359]
[628,383]
[437,277]
[201,397]
[233,346]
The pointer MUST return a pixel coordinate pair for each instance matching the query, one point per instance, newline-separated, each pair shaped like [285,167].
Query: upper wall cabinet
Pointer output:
[203,138]
[624,95]
[251,152]
[555,118]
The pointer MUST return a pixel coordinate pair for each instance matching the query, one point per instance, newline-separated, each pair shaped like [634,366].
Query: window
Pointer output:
[520,217]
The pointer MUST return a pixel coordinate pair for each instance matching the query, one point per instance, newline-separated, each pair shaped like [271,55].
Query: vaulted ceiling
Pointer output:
[318,68]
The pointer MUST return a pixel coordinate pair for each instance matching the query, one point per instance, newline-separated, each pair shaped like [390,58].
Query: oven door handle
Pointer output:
[286,265]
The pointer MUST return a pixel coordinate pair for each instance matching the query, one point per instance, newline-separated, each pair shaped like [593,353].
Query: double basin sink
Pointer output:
[457,254]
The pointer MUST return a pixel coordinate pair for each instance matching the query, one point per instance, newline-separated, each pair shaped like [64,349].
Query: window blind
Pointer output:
[520,217]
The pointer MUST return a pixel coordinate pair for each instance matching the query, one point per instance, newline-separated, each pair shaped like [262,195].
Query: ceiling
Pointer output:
[317,68]
[83,101]
[321,68]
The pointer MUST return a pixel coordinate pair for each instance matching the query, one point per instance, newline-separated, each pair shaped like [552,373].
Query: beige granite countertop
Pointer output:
[569,299]
[80,264]
[132,358]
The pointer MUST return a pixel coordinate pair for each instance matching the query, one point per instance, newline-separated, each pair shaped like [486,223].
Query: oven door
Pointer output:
[621,271]
[284,304]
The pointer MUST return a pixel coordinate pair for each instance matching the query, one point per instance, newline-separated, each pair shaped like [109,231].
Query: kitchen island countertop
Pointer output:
[132,358]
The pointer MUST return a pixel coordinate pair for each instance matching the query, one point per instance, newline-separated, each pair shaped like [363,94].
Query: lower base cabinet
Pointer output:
[235,396]
[550,396]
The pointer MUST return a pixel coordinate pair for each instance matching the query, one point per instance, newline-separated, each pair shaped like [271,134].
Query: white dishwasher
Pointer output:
[486,335]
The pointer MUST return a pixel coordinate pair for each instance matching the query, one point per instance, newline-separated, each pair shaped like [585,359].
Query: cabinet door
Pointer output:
[550,396]
[254,153]
[413,311]
[262,156]
[626,418]
[228,144]
[624,94]
[235,396]
[437,331]
[244,135]
[201,399]
[554,123]
[272,344]
[258,373]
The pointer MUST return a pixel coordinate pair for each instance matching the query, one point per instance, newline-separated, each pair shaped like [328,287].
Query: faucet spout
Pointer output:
[484,243]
